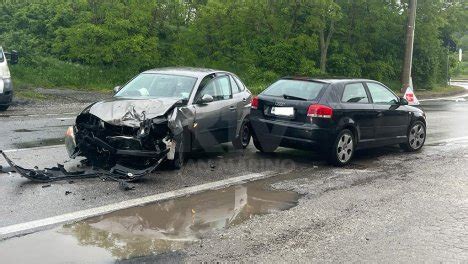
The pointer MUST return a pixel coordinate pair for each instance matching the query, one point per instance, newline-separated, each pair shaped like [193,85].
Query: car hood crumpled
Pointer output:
[129,111]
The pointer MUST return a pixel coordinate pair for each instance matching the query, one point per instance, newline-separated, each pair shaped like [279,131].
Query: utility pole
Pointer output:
[406,75]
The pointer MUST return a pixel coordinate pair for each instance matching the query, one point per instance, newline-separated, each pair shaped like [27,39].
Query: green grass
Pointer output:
[443,90]
[53,73]
[461,71]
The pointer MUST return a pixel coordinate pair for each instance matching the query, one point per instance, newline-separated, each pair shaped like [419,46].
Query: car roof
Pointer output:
[185,71]
[328,80]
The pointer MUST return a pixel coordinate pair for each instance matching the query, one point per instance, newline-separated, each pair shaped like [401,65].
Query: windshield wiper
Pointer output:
[286,96]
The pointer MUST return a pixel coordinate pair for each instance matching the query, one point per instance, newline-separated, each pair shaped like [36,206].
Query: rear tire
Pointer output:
[264,145]
[416,137]
[4,107]
[343,148]
[243,140]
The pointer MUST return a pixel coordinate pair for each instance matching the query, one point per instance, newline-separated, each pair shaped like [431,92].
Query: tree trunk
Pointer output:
[324,44]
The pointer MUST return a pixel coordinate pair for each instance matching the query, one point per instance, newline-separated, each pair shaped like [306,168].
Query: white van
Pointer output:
[6,85]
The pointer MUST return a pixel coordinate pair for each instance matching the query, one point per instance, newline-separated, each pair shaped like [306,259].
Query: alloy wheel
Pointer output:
[345,148]
[417,136]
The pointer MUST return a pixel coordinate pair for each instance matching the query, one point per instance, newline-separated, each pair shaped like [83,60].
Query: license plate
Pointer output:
[282,111]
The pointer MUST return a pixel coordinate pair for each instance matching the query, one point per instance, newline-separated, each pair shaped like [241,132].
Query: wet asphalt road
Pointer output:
[387,205]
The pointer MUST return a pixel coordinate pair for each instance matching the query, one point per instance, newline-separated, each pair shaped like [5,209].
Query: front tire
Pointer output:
[343,148]
[416,137]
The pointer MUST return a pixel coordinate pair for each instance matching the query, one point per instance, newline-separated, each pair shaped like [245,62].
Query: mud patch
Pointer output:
[149,230]
[39,143]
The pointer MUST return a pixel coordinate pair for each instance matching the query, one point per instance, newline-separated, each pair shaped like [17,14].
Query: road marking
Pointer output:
[449,140]
[35,148]
[41,224]
[38,115]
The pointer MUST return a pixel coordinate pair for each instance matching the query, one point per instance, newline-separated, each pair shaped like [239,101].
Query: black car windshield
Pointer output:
[153,85]
[295,89]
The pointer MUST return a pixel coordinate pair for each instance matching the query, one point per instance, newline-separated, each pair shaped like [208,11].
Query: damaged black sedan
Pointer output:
[160,115]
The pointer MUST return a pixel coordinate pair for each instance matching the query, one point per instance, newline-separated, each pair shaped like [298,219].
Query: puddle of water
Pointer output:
[148,230]
[39,143]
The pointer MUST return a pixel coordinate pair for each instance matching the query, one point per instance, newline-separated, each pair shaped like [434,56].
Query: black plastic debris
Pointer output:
[6,169]
[117,173]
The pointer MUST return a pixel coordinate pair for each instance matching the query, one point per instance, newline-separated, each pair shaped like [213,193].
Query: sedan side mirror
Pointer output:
[117,89]
[403,101]
[206,98]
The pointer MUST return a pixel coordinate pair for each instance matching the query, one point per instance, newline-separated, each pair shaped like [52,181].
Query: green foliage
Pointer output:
[101,43]
[50,72]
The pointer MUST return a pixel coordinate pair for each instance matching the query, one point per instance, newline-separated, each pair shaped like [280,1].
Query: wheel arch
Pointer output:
[348,123]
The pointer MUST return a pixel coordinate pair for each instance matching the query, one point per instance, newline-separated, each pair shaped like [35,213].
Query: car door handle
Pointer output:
[379,113]
[232,108]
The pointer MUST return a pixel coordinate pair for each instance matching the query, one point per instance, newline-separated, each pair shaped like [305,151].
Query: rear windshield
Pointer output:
[307,90]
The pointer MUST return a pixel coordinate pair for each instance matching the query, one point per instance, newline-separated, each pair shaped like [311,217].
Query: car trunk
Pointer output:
[277,108]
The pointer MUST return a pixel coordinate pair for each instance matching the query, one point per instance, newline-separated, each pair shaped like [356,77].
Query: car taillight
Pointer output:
[254,103]
[321,111]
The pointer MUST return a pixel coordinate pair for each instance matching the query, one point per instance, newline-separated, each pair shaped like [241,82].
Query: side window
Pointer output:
[219,88]
[224,88]
[239,83]
[354,93]
[381,95]
[235,87]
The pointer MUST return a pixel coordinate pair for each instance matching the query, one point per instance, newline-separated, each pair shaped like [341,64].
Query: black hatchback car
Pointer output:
[335,116]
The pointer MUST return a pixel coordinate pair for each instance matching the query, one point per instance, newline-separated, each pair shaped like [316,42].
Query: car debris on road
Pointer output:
[59,173]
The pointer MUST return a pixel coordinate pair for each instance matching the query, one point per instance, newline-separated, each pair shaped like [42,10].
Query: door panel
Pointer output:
[242,100]
[215,121]
[210,126]
[392,119]
[355,104]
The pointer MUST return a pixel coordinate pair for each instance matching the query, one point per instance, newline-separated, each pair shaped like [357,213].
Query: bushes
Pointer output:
[50,72]
[98,44]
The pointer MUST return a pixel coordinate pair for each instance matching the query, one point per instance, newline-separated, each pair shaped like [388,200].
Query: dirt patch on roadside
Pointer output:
[41,100]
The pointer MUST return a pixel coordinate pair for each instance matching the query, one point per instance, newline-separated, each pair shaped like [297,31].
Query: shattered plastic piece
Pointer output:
[46,186]
[68,192]
[212,166]
[125,186]
[172,148]
[6,169]
[48,174]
